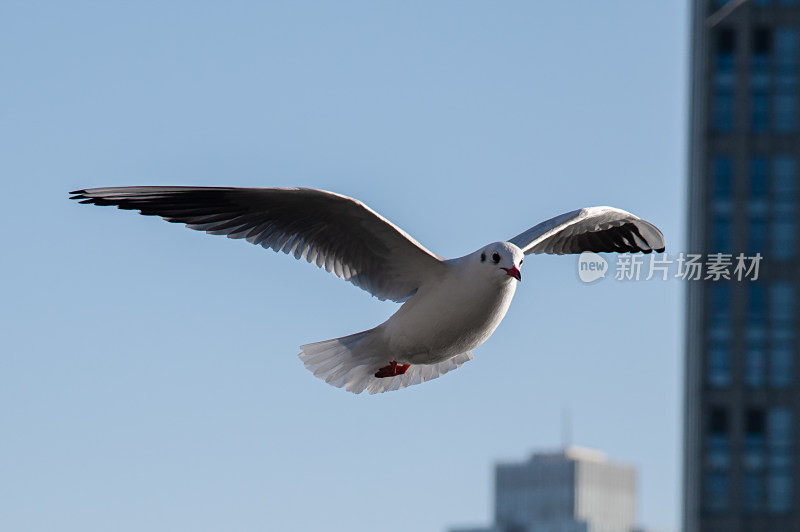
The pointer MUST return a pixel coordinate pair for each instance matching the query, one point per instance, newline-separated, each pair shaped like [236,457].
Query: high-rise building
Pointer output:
[741,466]
[574,490]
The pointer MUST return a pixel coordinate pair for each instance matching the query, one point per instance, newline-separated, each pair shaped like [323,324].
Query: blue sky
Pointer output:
[149,373]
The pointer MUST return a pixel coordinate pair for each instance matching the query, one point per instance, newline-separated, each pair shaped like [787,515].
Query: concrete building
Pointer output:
[741,466]
[574,490]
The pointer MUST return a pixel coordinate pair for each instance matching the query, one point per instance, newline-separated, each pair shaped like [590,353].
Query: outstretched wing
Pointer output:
[331,231]
[594,229]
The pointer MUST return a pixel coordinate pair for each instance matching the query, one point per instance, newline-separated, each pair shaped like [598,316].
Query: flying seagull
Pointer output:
[449,307]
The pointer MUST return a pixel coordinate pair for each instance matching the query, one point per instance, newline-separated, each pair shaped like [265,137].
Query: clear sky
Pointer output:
[149,373]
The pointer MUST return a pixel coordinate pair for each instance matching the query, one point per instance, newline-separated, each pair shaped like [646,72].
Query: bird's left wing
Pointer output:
[596,229]
[331,231]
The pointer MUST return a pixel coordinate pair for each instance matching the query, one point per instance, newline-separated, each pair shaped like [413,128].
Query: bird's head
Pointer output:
[503,259]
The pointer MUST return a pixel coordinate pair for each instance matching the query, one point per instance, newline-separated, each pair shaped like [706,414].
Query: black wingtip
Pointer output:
[77,194]
[656,250]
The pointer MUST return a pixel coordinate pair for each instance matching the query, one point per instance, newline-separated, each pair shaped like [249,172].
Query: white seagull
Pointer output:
[450,307]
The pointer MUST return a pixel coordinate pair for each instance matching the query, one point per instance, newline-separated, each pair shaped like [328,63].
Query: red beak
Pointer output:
[514,272]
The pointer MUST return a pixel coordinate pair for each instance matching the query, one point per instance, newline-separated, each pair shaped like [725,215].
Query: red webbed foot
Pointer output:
[392,370]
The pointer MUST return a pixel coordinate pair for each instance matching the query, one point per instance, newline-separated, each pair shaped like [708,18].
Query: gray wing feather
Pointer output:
[597,229]
[334,232]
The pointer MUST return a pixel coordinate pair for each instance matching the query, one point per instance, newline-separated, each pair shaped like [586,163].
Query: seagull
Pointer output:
[449,307]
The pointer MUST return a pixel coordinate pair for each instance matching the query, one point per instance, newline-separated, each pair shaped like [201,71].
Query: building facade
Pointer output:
[741,467]
[574,490]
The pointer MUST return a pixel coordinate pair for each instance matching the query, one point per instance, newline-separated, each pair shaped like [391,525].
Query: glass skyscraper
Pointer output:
[574,490]
[742,397]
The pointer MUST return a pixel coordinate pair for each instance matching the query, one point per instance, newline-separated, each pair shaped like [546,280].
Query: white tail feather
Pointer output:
[340,363]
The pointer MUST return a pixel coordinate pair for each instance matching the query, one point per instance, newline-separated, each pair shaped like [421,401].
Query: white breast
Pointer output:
[447,318]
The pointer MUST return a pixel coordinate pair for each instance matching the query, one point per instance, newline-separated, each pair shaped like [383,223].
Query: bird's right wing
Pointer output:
[331,231]
[594,229]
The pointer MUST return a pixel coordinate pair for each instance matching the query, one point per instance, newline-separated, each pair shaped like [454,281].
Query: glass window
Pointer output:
[719,358]
[721,237]
[782,304]
[785,82]
[723,101]
[754,459]
[786,46]
[785,106]
[757,205]
[717,488]
[780,429]
[756,235]
[756,303]
[759,109]
[779,479]
[783,228]
[783,176]
[720,304]
[717,480]
[726,47]
[722,172]
[718,446]
[782,360]
[759,172]
[753,492]
[782,239]
[760,80]
[762,43]
[723,110]
[719,364]
[754,439]
[780,492]
[755,362]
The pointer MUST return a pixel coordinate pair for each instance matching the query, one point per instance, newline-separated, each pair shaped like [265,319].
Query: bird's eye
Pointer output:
[521,261]
[483,257]
[495,257]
